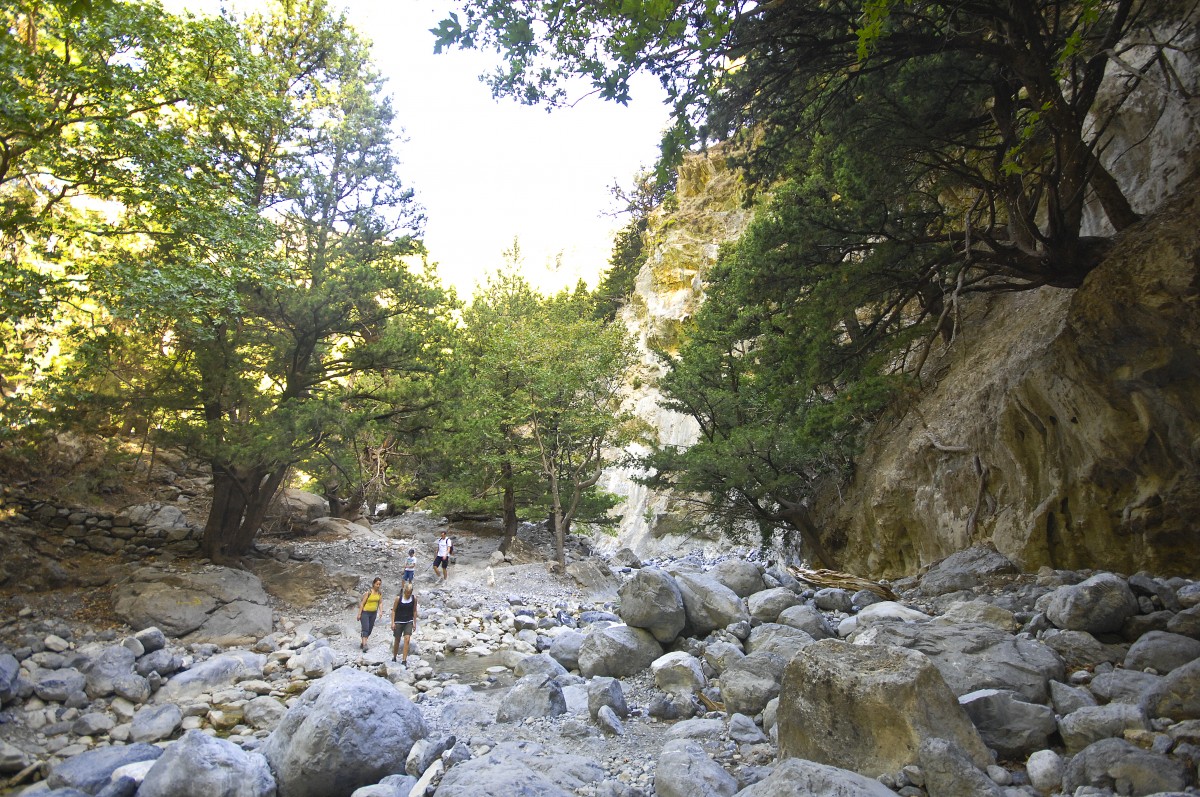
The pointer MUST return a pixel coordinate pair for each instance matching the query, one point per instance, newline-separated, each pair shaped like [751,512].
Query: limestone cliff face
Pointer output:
[681,244]
[1066,422]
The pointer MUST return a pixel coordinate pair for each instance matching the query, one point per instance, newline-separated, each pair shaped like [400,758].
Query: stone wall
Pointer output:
[43,539]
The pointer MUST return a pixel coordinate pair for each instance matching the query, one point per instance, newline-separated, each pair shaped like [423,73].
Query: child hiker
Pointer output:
[410,566]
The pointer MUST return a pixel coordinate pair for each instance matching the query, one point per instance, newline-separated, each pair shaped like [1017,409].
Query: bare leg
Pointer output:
[404,658]
[396,646]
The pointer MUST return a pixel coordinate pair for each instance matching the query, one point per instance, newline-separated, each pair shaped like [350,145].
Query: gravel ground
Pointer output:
[459,694]
[475,586]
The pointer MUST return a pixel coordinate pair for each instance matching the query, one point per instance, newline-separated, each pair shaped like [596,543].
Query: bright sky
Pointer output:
[488,171]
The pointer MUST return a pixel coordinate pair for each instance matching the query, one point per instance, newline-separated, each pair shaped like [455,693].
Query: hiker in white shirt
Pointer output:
[445,549]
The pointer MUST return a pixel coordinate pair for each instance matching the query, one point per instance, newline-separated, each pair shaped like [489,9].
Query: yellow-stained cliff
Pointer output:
[1063,427]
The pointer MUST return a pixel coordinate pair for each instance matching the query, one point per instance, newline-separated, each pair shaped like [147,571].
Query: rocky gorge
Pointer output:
[167,675]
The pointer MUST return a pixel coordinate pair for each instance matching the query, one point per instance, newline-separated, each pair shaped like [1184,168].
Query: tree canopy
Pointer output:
[532,408]
[247,290]
[997,98]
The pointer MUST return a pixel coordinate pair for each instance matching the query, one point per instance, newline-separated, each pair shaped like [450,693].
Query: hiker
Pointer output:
[404,621]
[410,566]
[368,609]
[445,550]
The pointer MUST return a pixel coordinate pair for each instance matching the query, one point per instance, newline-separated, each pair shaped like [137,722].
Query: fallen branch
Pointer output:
[833,578]
[709,703]
[20,777]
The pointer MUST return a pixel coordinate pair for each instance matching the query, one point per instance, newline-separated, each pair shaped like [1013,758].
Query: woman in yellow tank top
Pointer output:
[368,609]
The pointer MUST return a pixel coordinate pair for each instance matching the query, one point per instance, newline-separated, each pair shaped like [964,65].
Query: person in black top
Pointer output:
[404,621]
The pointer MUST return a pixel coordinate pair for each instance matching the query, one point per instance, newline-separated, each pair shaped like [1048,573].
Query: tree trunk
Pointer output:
[240,501]
[556,522]
[510,507]
[798,517]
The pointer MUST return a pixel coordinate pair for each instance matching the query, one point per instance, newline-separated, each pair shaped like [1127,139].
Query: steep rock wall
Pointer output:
[681,244]
[1068,422]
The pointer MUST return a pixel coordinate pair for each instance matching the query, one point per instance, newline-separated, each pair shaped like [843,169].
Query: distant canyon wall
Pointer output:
[681,244]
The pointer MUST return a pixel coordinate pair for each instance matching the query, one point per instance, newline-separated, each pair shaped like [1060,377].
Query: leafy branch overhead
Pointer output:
[995,102]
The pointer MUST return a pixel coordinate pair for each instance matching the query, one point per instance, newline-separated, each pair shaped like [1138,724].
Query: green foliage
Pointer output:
[1019,83]
[90,98]
[532,403]
[617,283]
[810,323]
[247,290]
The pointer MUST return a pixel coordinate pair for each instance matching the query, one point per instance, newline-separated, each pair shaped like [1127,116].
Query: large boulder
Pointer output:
[520,768]
[302,505]
[534,695]
[606,693]
[264,711]
[1089,724]
[685,770]
[298,583]
[794,776]
[679,673]
[595,577]
[966,569]
[618,651]
[1009,725]
[565,649]
[807,619]
[709,604]
[1162,652]
[58,685]
[1177,696]
[766,606]
[720,654]
[1099,605]
[350,729]
[949,771]
[1117,764]
[175,610]
[214,673]
[868,708]
[742,577]
[10,668]
[1080,650]
[155,515]
[199,765]
[541,663]
[182,603]
[973,657]
[749,683]
[982,612]
[880,613]
[154,723]
[89,772]
[106,670]
[1123,686]
[651,600]
[235,623]
[782,640]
